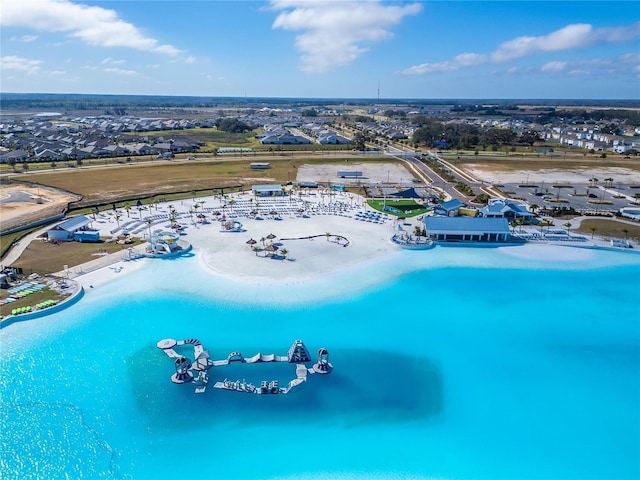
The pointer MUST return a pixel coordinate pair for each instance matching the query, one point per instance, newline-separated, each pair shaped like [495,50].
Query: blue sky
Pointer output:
[325,49]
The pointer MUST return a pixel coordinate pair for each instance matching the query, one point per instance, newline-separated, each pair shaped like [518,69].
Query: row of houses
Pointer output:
[590,139]
[292,133]
[52,144]
[323,135]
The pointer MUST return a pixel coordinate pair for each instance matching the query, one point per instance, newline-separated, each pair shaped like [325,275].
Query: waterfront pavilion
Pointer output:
[467,229]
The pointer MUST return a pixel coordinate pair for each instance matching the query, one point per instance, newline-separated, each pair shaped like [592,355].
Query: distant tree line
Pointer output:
[628,117]
[232,125]
[462,136]
[395,113]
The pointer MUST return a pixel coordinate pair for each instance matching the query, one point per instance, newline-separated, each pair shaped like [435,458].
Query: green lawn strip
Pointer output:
[534,161]
[404,207]
[608,228]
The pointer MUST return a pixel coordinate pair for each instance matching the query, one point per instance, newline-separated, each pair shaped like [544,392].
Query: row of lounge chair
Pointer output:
[39,306]
[25,286]
[20,310]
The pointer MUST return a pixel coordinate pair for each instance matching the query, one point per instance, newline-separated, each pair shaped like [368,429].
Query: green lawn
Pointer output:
[608,228]
[398,207]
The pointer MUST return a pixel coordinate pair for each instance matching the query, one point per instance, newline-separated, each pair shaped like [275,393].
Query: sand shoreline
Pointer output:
[228,256]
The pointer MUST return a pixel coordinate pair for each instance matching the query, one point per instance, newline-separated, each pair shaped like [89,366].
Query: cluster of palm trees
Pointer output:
[608,182]
[271,248]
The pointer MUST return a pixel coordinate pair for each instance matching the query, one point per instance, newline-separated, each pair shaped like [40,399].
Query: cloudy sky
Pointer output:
[321,48]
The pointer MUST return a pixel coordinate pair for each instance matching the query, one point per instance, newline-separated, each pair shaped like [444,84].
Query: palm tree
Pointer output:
[609,181]
[593,230]
[568,225]
[149,222]
[328,235]
[117,218]
[127,207]
[518,221]
[284,253]
[262,239]
[533,207]
[256,249]
[626,233]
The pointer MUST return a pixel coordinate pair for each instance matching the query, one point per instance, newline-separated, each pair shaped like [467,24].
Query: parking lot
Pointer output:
[614,189]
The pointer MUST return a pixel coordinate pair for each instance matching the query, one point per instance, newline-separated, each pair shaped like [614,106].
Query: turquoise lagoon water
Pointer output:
[450,363]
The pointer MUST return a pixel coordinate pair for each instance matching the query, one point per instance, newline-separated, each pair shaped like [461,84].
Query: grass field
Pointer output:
[399,208]
[608,228]
[529,160]
[128,182]
[45,257]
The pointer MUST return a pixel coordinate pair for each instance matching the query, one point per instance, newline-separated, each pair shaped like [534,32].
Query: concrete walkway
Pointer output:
[104,261]
[14,253]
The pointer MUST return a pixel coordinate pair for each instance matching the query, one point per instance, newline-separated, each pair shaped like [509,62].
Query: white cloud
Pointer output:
[630,58]
[628,63]
[111,61]
[336,33]
[570,37]
[553,67]
[24,38]
[93,25]
[12,62]
[120,71]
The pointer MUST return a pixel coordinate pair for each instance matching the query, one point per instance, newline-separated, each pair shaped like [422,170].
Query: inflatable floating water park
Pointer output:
[196,371]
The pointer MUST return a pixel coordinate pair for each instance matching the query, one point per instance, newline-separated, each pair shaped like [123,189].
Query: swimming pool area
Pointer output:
[449,363]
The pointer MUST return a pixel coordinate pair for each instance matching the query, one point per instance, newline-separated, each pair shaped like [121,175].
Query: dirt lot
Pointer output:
[496,174]
[21,204]
[371,173]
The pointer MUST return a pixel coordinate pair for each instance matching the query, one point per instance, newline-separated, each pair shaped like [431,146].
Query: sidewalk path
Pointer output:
[16,250]
[103,261]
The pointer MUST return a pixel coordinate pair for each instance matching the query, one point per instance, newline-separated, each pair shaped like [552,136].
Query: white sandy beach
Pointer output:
[228,255]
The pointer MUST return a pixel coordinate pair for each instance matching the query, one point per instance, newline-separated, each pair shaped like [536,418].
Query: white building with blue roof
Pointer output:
[505,208]
[74,229]
[467,229]
[267,190]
